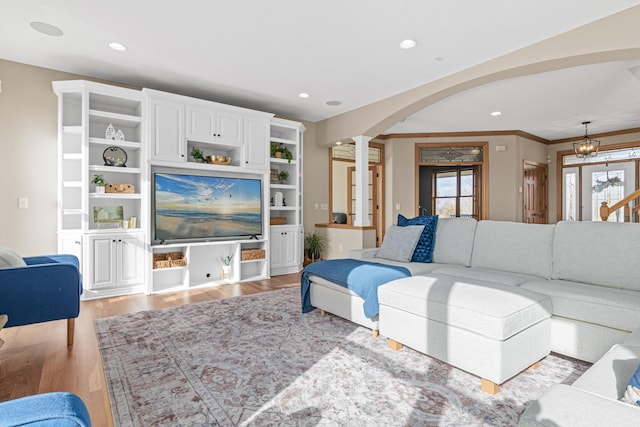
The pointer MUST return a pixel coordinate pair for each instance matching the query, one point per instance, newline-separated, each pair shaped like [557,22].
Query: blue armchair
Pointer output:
[46,288]
[59,409]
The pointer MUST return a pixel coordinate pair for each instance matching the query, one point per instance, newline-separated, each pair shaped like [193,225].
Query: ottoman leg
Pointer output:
[322,312]
[535,365]
[375,333]
[489,386]
[394,345]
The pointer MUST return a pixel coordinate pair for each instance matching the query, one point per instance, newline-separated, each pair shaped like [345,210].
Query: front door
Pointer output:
[608,182]
[534,193]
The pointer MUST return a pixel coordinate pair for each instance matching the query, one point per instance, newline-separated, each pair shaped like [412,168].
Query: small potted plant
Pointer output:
[226,267]
[279,151]
[100,183]
[313,245]
[197,154]
[283,176]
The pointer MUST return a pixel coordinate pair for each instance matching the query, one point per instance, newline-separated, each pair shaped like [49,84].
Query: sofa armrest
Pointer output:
[563,405]
[48,409]
[40,292]
[363,253]
[53,259]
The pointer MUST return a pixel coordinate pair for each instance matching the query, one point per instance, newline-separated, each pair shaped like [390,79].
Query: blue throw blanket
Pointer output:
[361,277]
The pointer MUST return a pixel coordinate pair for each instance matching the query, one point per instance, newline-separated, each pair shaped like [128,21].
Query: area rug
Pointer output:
[258,361]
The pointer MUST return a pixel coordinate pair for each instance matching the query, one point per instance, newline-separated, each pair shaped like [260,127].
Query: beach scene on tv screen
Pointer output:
[196,207]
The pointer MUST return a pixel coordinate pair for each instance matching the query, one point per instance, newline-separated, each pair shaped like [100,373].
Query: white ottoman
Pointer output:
[489,329]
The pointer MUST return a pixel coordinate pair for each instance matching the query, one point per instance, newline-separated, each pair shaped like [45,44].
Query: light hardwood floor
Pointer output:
[35,358]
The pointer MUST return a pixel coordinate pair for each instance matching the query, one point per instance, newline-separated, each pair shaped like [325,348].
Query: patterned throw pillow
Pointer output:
[399,243]
[632,393]
[424,249]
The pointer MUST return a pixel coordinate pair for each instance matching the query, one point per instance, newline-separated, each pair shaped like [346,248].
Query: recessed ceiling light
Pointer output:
[303,95]
[334,103]
[496,113]
[407,44]
[117,46]
[48,29]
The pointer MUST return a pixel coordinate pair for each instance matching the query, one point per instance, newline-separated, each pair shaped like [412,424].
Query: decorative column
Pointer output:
[362,180]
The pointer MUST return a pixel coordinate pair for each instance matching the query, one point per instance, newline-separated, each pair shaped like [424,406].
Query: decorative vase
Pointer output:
[277,154]
[226,272]
[99,189]
[110,133]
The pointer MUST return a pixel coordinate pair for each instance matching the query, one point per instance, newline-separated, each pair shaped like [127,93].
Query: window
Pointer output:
[453,192]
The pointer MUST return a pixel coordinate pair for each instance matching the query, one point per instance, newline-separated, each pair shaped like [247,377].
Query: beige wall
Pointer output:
[505,173]
[28,137]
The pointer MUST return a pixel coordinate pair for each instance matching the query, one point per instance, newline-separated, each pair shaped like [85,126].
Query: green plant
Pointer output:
[313,245]
[279,148]
[226,260]
[99,180]
[197,153]
[283,176]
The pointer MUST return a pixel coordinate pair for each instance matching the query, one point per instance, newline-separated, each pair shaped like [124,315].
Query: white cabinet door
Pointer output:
[167,130]
[130,260]
[276,252]
[115,260]
[285,257]
[214,126]
[102,261]
[256,148]
[71,244]
[201,124]
[229,127]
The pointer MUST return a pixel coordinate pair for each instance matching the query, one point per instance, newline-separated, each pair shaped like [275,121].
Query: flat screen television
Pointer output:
[202,207]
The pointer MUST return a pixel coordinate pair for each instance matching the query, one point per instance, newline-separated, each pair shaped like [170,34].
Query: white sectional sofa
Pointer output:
[586,275]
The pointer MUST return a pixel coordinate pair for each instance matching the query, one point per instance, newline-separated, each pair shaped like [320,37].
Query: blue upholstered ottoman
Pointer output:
[45,410]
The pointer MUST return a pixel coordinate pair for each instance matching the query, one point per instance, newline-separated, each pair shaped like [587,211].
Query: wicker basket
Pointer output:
[249,254]
[120,188]
[277,220]
[169,259]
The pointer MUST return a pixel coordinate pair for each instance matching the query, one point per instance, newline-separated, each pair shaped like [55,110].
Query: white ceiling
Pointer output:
[261,54]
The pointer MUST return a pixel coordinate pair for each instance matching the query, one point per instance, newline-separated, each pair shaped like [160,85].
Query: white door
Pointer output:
[130,262]
[606,183]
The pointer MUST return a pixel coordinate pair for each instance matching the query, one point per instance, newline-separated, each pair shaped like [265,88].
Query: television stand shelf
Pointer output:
[204,264]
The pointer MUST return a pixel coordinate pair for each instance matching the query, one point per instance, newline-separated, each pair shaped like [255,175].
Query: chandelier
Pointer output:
[587,147]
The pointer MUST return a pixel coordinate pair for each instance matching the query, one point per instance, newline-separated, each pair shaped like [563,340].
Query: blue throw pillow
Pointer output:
[632,393]
[424,249]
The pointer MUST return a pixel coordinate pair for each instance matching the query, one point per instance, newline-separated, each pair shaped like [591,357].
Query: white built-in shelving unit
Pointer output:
[286,240]
[160,131]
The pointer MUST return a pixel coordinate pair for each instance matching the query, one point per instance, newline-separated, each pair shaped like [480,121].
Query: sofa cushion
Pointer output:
[614,308]
[497,276]
[424,248]
[515,247]
[454,241]
[563,405]
[489,309]
[609,376]
[9,258]
[400,242]
[600,253]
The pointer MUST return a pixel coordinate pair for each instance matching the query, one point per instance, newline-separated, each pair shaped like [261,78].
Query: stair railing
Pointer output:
[625,203]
